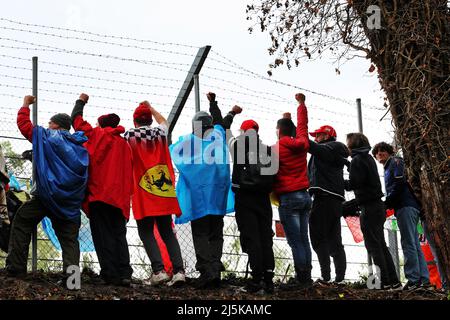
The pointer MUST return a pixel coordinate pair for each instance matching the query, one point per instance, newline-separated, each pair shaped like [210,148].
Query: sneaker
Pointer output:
[157,279]
[396,286]
[427,286]
[178,279]
[339,283]
[322,282]
[253,286]
[409,286]
[203,282]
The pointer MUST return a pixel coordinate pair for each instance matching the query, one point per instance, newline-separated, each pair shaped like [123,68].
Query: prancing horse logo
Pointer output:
[157,181]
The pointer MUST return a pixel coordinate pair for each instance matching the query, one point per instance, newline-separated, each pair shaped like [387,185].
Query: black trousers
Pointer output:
[207,234]
[325,233]
[26,219]
[373,216]
[109,233]
[254,220]
[164,223]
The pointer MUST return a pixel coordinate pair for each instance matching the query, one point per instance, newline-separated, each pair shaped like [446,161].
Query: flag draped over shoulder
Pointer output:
[154,178]
[204,183]
[61,170]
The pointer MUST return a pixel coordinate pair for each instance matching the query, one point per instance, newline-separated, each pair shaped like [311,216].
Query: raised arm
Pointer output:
[23,118]
[217,114]
[78,123]
[302,117]
[301,140]
[158,117]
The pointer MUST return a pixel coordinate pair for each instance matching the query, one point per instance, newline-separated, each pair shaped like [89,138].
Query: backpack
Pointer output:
[252,175]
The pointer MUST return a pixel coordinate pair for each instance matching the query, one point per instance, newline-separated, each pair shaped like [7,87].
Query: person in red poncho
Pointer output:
[109,190]
[154,199]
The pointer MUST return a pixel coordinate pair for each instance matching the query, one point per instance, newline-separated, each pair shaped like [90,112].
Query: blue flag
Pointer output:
[204,182]
[84,236]
[61,170]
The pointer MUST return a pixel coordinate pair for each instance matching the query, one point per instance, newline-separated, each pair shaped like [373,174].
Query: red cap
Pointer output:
[142,112]
[325,129]
[249,124]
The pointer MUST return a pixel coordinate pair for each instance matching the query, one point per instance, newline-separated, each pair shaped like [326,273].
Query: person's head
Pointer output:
[142,116]
[201,122]
[285,127]
[108,120]
[60,121]
[382,152]
[249,125]
[357,140]
[324,133]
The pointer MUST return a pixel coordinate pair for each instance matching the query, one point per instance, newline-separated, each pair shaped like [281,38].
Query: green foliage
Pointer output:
[14,161]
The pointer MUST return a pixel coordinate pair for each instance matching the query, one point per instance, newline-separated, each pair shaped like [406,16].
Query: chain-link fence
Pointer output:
[235,261]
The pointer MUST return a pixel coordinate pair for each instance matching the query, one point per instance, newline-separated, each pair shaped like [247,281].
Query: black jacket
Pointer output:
[250,160]
[364,179]
[326,167]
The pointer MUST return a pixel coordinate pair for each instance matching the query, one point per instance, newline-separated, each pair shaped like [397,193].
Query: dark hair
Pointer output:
[382,147]
[286,126]
[142,122]
[357,140]
[302,96]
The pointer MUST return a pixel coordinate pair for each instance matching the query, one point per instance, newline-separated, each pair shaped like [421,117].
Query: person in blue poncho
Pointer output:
[60,167]
[203,189]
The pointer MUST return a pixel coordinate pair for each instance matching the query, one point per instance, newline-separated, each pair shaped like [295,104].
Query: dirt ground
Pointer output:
[44,286]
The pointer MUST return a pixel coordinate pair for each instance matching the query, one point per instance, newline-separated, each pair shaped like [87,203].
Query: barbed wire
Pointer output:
[95,87]
[90,78]
[98,41]
[243,69]
[46,48]
[228,62]
[93,69]
[99,34]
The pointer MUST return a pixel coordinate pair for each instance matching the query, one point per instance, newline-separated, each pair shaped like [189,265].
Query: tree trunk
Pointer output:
[411,52]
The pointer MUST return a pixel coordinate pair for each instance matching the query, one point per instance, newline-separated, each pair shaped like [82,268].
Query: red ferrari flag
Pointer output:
[154,178]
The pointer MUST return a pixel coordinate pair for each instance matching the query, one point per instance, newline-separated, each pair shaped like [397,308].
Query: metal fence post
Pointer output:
[35,122]
[360,129]
[185,90]
[393,248]
[197,92]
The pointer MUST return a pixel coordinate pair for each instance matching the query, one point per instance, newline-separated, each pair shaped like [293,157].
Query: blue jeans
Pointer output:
[416,270]
[294,215]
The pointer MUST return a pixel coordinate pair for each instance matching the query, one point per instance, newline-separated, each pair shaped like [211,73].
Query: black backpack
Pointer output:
[252,175]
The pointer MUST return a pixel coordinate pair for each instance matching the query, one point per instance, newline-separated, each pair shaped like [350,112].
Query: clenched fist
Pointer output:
[84,97]
[27,100]
[236,109]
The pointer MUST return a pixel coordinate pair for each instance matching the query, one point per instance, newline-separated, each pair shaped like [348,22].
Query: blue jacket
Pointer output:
[398,192]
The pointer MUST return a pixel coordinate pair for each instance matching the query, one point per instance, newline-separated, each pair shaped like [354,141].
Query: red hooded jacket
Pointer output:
[110,166]
[293,172]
